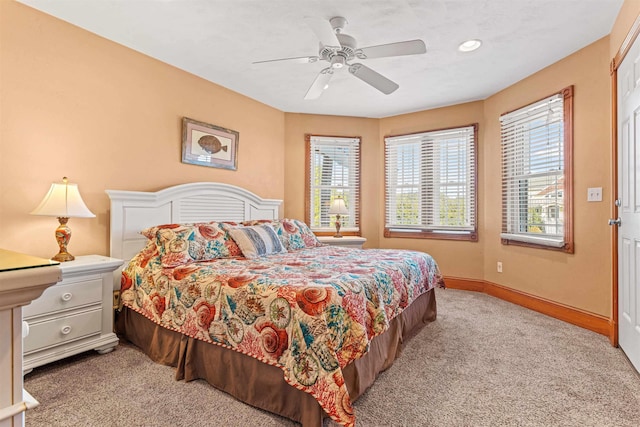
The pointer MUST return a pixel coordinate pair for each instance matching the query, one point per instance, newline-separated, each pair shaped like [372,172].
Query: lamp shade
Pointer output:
[338,207]
[63,200]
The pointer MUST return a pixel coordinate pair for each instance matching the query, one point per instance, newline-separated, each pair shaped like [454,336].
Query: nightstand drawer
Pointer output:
[63,297]
[61,330]
[346,241]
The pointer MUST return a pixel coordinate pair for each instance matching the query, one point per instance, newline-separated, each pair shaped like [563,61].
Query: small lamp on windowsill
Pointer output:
[63,201]
[338,208]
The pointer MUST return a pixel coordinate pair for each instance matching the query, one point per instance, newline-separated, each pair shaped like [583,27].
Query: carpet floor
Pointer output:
[483,362]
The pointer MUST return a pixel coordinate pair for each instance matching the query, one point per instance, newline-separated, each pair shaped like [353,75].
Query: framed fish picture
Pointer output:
[208,145]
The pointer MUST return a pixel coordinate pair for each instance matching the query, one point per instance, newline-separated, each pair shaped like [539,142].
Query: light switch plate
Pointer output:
[594,194]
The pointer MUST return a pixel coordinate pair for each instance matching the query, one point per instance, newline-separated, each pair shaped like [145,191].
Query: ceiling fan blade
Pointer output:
[323,30]
[409,47]
[319,84]
[373,78]
[298,60]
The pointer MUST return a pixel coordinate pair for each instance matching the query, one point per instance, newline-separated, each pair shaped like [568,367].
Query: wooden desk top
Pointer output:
[10,260]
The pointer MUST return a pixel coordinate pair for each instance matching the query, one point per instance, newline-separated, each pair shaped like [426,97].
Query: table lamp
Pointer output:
[337,208]
[63,201]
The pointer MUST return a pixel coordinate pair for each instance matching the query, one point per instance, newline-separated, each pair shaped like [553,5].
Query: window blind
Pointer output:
[533,173]
[334,171]
[430,180]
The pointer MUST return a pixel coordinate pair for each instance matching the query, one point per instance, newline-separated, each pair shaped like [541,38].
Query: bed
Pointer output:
[301,332]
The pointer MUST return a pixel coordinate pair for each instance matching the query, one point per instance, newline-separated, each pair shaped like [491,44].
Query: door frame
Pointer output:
[631,37]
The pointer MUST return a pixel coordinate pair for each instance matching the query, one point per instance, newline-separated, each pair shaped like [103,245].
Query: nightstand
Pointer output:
[73,316]
[347,241]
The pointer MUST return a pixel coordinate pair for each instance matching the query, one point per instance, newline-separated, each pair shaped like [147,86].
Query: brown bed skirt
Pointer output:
[195,359]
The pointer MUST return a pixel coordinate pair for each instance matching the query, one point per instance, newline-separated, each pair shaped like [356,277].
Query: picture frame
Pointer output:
[205,144]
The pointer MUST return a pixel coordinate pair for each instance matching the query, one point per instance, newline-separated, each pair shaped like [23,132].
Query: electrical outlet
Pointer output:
[594,194]
[499,266]
[116,299]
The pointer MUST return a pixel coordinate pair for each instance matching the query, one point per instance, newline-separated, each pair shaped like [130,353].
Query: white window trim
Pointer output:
[564,242]
[351,222]
[425,230]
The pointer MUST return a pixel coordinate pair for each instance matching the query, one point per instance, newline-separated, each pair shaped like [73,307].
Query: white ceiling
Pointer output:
[219,39]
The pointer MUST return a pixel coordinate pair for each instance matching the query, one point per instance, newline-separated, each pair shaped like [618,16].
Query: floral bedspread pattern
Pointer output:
[309,312]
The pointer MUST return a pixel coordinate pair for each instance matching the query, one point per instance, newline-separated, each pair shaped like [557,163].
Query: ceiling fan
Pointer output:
[339,49]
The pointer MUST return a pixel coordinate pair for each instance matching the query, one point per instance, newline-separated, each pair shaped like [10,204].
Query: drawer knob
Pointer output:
[25,329]
[67,296]
[65,330]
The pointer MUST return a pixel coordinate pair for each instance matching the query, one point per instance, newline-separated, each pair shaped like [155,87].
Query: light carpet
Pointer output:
[483,362]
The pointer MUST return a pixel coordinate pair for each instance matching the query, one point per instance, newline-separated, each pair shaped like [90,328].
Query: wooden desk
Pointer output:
[23,278]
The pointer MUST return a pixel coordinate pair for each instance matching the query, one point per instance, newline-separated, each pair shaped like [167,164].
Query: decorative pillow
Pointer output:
[274,223]
[298,235]
[293,234]
[150,233]
[183,243]
[257,240]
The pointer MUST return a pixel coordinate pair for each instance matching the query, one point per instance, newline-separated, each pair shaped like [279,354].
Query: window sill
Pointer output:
[560,247]
[471,236]
[333,233]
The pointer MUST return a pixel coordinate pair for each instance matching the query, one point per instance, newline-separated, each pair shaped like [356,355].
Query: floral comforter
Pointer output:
[308,312]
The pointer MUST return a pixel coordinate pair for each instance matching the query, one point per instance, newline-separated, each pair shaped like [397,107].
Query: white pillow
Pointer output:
[257,240]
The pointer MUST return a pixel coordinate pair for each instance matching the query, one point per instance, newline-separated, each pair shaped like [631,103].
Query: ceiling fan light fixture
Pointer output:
[470,45]
[339,49]
[338,62]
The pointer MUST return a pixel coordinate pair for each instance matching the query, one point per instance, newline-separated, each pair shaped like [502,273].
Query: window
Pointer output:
[430,183]
[537,173]
[333,170]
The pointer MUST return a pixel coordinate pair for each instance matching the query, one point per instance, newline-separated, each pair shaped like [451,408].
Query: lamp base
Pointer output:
[63,257]
[63,235]
[338,225]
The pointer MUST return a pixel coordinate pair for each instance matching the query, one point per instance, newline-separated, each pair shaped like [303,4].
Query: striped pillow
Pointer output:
[294,234]
[257,240]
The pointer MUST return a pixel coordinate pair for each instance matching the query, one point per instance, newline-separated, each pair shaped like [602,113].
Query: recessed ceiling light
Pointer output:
[469,45]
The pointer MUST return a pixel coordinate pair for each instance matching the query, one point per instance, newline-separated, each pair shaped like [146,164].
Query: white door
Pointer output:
[629,204]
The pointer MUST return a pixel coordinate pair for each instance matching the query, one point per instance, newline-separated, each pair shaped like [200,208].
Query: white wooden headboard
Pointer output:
[133,211]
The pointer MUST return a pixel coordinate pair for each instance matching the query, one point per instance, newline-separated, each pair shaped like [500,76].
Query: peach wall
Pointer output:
[455,258]
[297,125]
[75,104]
[628,13]
[581,280]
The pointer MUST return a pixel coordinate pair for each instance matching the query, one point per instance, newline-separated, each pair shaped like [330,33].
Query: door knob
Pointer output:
[616,221]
